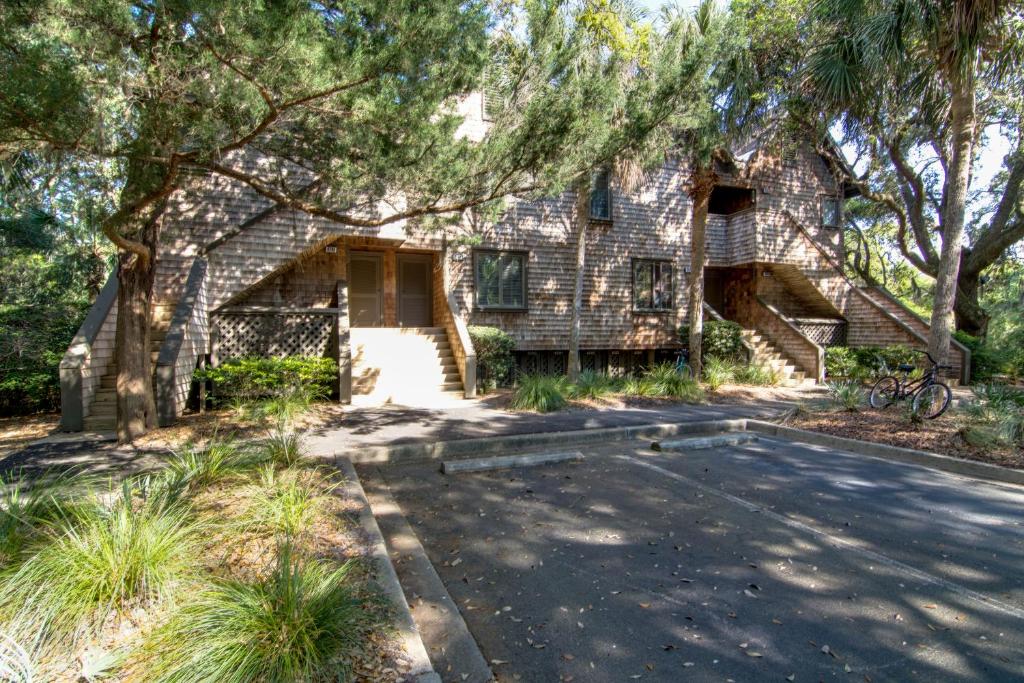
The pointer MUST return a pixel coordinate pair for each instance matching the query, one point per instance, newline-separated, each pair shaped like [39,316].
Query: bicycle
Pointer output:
[931,397]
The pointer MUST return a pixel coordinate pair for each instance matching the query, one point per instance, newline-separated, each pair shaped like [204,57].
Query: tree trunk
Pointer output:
[136,410]
[582,218]
[970,316]
[702,182]
[962,124]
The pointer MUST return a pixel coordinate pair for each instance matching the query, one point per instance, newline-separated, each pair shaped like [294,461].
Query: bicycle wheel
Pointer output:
[932,400]
[885,392]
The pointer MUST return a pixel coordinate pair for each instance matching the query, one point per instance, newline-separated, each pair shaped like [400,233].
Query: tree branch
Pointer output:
[1007,223]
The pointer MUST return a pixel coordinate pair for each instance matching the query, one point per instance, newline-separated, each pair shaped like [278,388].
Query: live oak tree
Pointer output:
[915,86]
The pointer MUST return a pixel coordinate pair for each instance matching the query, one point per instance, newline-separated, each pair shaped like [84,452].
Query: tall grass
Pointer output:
[717,372]
[666,382]
[284,502]
[593,385]
[104,554]
[291,626]
[541,393]
[282,447]
[26,508]
[758,375]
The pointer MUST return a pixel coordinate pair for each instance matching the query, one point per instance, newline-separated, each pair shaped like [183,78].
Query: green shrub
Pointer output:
[33,340]
[494,359]
[593,385]
[717,372]
[103,556]
[720,338]
[840,361]
[251,379]
[985,360]
[665,382]
[542,393]
[847,395]
[294,625]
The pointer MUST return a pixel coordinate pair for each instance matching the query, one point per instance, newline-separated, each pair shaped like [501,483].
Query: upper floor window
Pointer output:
[831,212]
[600,196]
[500,278]
[652,285]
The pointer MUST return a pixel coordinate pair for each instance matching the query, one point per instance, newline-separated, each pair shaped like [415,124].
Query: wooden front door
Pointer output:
[414,290]
[365,290]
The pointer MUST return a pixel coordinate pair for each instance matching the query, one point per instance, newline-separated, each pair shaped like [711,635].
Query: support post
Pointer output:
[344,345]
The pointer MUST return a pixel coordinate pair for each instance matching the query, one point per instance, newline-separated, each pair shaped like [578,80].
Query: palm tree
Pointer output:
[892,68]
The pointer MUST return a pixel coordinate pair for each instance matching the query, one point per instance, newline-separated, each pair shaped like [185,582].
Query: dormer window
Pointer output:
[831,212]
[600,196]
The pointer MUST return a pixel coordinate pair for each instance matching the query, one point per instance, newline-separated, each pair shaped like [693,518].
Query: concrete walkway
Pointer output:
[388,425]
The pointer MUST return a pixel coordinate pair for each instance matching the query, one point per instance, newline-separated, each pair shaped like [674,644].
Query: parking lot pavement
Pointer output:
[767,561]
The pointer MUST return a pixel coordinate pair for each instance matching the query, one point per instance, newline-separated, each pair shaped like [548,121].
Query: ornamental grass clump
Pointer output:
[541,393]
[664,381]
[592,385]
[757,375]
[285,502]
[717,372]
[101,556]
[294,624]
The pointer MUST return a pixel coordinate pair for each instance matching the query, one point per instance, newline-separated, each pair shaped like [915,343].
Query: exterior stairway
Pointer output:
[102,416]
[768,354]
[411,366]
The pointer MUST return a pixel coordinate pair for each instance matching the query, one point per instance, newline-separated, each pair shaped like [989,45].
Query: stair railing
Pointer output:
[965,353]
[184,348]
[89,355]
[771,320]
[462,345]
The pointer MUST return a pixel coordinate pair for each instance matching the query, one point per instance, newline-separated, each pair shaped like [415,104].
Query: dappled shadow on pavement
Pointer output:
[750,563]
[392,424]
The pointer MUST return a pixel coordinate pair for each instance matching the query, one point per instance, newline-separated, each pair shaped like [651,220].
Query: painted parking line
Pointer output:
[962,591]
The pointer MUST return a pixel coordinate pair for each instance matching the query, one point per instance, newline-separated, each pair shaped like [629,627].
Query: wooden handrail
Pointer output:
[188,334]
[81,363]
[819,351]
[965,353]
[467,364]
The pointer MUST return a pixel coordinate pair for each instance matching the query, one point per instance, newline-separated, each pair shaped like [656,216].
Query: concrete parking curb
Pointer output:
[970,468]
[438,619]
[515,443]
[420,669]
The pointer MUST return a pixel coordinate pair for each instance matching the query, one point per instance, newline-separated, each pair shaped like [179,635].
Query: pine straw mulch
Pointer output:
[943,435]
[21,430]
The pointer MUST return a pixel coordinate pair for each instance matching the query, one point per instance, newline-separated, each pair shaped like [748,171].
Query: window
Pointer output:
[600,196]
[652,285]
[831,212]
[500,279]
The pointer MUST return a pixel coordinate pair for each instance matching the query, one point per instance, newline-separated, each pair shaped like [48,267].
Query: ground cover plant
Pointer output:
[231,563]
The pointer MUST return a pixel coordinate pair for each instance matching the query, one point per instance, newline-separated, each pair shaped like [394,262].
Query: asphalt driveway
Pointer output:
[768,561]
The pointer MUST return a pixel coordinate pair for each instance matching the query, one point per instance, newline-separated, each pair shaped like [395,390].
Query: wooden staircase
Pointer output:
[102,415]
[411,366]
[768,354]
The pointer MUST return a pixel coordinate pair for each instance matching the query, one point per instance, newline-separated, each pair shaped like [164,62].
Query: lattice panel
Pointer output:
[273,335]
[542,362]
[824,334]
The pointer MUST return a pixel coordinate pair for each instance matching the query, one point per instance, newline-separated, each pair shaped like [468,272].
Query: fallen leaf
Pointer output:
[645,605]
[498,662]
[751,653]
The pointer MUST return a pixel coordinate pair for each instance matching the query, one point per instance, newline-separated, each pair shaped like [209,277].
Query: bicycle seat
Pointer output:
[905,367]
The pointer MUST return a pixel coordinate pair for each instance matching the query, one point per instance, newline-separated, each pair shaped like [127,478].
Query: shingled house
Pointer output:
[237,276]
